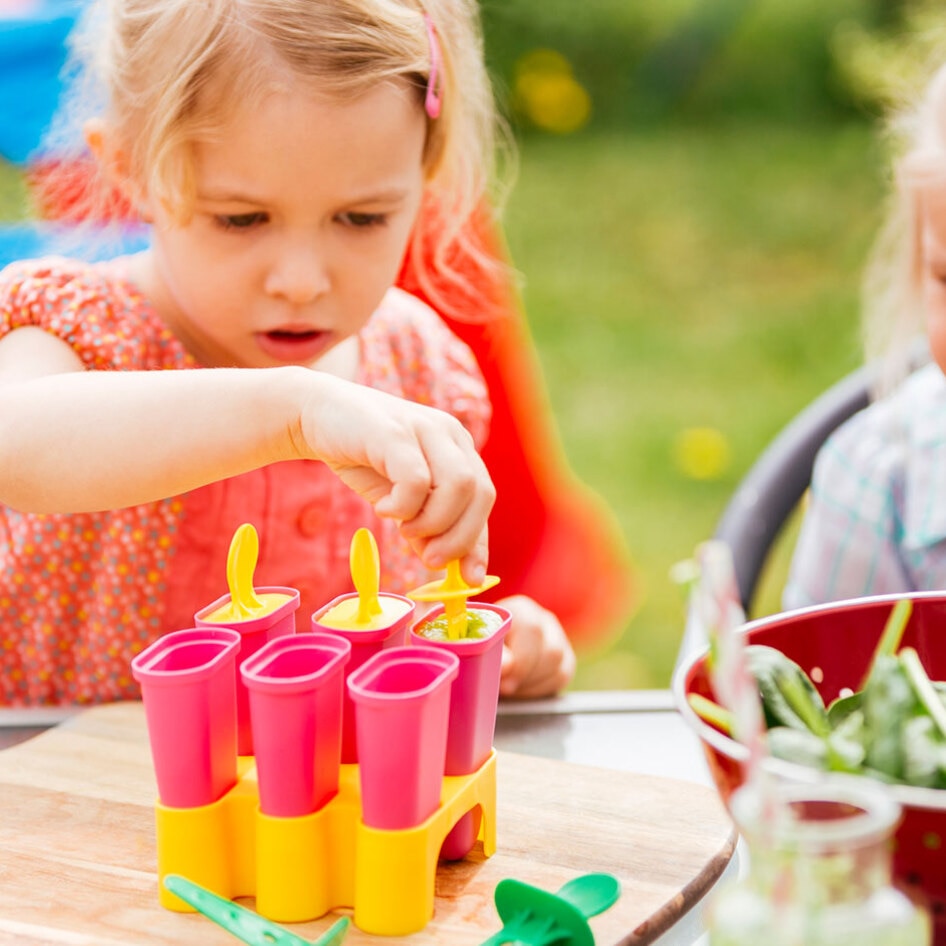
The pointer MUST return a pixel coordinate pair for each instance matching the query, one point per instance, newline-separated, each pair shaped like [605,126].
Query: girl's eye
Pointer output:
[241,221]
[362,219]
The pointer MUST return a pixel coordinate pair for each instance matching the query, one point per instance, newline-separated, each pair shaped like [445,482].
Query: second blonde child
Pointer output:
[876,520]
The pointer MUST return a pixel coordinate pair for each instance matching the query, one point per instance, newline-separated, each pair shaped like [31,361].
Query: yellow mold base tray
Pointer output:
[301,868]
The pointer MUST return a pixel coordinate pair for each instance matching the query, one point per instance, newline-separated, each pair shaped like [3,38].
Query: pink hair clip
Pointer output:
[434,97]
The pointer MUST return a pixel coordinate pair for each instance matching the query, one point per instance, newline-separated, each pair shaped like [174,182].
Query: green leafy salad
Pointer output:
[892,729]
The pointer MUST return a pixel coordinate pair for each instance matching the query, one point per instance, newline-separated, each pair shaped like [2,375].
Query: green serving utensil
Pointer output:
[535,917]
[245,924]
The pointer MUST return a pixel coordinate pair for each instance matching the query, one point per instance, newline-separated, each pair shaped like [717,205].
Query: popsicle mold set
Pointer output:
[329,768]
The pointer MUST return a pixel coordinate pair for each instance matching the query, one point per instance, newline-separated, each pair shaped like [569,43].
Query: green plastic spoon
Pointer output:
[535,917]
[245,924]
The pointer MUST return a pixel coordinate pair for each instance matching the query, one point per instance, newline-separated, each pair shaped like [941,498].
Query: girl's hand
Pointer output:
[413,463]
[538,659]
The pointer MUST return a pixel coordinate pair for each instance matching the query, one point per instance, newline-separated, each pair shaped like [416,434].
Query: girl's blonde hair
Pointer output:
[893,285]
[167,73]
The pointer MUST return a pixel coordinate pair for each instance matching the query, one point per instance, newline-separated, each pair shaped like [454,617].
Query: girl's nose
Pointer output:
[299,274]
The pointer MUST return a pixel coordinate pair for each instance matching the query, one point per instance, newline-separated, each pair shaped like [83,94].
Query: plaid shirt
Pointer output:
[876,516]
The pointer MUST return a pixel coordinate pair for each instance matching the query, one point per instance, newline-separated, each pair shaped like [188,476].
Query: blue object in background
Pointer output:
[33,53]
[33,240]
[32,56]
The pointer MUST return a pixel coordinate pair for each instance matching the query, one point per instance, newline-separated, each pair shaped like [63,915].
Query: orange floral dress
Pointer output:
[80,594]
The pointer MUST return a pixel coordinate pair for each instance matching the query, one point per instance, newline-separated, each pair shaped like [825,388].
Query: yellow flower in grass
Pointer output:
[701,453]
[546,91]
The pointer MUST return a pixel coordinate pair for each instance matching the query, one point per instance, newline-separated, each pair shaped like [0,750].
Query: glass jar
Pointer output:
[819,871]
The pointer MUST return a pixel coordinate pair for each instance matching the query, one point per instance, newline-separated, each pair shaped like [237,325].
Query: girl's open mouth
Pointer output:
[291,346]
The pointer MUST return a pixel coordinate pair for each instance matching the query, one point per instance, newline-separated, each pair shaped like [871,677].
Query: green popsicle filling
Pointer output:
[479,624]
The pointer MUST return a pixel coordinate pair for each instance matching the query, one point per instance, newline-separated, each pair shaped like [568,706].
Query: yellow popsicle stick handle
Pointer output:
[453,580]
[365,565]
[453,592]
[454,606]
[241,565]
[455,611]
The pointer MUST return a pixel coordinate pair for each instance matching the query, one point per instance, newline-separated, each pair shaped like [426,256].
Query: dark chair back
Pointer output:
[774,485]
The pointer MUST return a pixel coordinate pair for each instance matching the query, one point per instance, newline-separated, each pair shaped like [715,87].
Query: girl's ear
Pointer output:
[113,161]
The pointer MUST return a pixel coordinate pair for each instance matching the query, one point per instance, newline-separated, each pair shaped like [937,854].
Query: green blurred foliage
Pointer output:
[691,59]
[887,62]
[682,278]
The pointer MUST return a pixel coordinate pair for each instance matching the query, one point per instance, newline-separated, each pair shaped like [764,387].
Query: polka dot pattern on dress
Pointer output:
[81,594]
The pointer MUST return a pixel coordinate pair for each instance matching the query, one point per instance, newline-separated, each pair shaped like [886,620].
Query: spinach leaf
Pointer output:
[924,753]
[888,701]
[846,743]
[789,698]
[798,745]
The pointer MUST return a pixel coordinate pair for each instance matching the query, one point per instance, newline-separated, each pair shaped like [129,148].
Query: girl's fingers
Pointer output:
[527,679]
[555,678]
[417,465]
[473,566]
[407,484]
[444,519]
[539,659]
[451,531]
[453,518]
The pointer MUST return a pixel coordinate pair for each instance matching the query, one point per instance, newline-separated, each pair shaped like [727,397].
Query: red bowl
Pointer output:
[833,644]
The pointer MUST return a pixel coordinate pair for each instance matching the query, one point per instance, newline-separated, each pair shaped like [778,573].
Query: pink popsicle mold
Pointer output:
[254,633]
[398,691]
[295,688]
[474,698]
[188,685]
[364,645]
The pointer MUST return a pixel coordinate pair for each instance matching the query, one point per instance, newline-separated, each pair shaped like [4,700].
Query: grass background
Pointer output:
[690,255]
[686,277]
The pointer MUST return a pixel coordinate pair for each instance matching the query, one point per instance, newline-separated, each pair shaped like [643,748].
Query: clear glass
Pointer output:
[819,871]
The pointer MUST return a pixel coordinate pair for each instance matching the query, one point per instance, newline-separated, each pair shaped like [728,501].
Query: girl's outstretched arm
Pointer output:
[73,440]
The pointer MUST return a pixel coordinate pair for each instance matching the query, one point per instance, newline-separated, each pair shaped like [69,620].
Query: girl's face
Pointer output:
[304,208]
[933,256]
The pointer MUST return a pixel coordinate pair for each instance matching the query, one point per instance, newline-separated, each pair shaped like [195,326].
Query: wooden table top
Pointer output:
[78,863]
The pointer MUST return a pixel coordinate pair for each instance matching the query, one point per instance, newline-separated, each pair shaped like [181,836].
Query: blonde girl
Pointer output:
[876,520]
[281,152]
